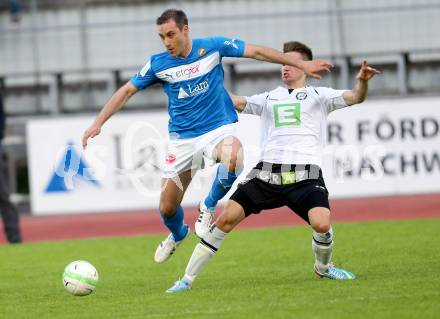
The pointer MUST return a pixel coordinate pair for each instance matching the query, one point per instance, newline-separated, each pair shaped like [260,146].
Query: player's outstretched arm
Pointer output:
[239,102]
[116,102]
[311,68]
[360,90]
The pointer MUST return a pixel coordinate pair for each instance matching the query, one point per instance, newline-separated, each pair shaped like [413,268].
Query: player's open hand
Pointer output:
[91,132]
[314,67]
[366,72]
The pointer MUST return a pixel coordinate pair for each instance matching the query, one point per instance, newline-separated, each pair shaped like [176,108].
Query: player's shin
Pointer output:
[322,245]
[175,224]
[222,184]
[199,258]
[203,252]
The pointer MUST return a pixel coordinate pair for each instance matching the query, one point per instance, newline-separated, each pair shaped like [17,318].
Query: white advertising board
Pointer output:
[381,147]
[384,147]
[119,170]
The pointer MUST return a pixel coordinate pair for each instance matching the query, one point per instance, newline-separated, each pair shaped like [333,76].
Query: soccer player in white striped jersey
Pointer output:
[293,136]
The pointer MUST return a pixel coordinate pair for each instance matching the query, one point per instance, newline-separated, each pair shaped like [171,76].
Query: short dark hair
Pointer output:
[295,46]
[173,14]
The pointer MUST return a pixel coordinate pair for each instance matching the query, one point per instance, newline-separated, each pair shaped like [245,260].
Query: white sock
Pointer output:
[199,258]
[203,252]
[213,239]
[322,245]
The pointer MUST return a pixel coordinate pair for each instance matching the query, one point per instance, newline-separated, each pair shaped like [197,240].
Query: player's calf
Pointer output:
[201,255]
[322,245]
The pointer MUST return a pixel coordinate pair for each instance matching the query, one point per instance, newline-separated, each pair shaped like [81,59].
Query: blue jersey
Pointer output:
[197,99]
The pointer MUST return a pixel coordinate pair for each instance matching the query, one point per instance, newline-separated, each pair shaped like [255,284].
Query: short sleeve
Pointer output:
[145,77]
[229,47]
[255,103]
[331,98]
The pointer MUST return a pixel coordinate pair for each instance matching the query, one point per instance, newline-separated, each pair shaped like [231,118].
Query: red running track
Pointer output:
[62,227]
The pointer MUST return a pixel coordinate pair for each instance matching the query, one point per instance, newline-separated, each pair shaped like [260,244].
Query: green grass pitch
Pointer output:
[265,273]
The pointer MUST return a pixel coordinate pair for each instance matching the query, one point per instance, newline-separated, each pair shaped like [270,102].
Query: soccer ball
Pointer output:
[80,278]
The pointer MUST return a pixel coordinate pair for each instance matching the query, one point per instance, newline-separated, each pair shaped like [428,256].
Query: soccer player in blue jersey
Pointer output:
[202,116]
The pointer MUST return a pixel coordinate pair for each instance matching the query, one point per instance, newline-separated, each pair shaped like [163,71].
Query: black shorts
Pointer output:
[255,194]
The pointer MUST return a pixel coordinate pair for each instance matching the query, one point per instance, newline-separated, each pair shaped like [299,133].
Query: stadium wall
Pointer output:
[112,36]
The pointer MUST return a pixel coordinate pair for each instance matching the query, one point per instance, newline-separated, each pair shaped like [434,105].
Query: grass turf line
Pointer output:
[264,273]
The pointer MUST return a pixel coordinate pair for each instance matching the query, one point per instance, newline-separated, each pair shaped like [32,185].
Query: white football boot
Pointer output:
[167,247]
[203,222]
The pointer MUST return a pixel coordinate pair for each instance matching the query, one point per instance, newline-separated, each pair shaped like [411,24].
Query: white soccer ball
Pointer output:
[80,278]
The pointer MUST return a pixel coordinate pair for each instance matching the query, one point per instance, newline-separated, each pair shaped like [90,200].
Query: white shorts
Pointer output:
[190,153]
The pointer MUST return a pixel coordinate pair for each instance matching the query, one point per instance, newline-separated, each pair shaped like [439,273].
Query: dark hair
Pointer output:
[295,46]
[173,14]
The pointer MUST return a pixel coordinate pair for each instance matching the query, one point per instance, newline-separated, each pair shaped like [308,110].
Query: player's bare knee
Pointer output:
[167,209]
[225,223]
[236,160]
[319,218]
[321,226]
[233,163]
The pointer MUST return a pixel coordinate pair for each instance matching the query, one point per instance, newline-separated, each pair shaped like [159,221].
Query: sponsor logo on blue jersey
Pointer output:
[193,90]
[231,43]
[187,72]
